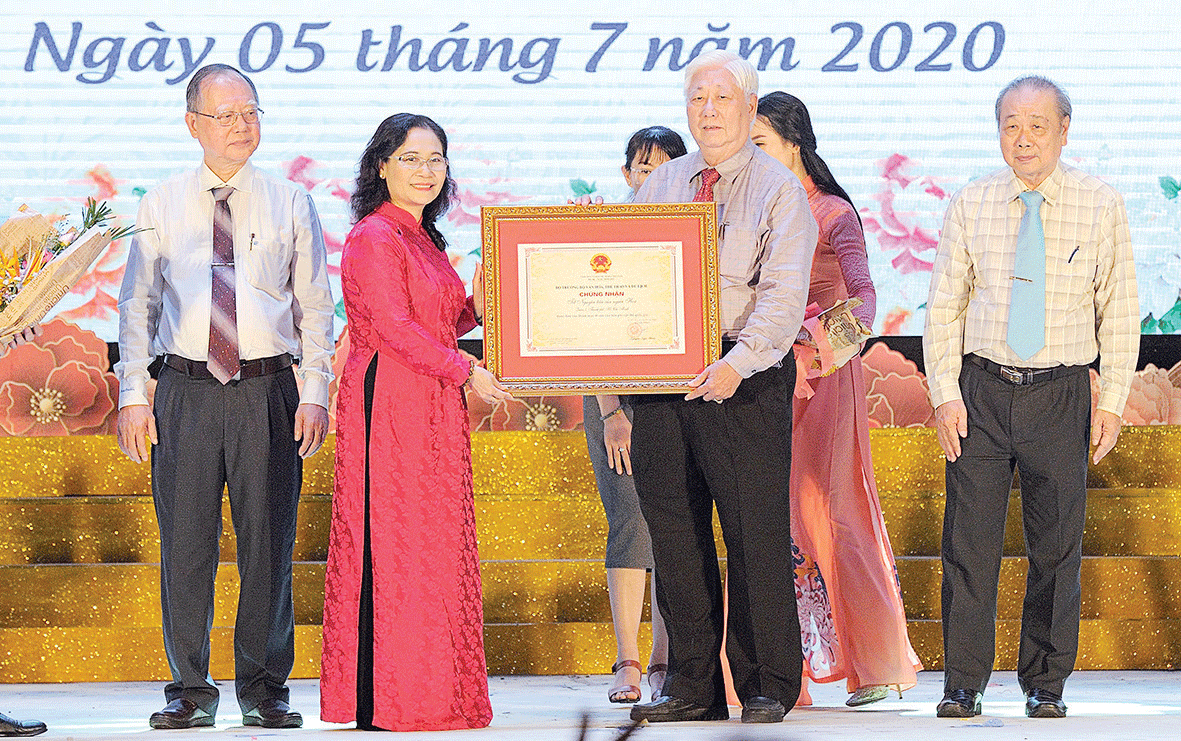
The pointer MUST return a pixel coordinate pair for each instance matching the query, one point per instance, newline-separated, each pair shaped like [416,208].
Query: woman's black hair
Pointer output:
[371,190]
[788,116]
[644,141]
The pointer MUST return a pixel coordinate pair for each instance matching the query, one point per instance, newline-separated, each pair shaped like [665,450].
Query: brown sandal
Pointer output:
[654,668]
[623,693]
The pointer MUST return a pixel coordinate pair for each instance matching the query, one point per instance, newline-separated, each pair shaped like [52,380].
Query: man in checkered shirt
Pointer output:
[997,407]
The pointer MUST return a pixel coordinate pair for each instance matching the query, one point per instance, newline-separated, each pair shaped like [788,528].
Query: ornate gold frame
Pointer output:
[694,223]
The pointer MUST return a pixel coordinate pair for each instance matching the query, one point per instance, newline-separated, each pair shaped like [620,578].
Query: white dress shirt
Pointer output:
[284,304]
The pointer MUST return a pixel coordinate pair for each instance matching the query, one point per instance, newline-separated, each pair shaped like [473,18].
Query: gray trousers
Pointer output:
[211,436]
[1044,431]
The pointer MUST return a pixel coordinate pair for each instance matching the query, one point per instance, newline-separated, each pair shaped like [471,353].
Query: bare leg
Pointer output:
[659,656]
[626,590]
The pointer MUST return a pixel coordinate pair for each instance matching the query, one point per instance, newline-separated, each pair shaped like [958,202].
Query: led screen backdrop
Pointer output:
[539,98]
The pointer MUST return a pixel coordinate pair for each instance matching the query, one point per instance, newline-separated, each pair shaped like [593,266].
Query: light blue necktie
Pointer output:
[1027,305]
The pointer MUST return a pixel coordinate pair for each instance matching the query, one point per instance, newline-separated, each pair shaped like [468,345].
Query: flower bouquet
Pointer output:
[40,264]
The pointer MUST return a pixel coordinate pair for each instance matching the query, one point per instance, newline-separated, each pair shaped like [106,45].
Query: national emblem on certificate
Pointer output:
[613,298]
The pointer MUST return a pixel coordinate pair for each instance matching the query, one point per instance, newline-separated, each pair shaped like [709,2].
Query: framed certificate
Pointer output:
[616,299]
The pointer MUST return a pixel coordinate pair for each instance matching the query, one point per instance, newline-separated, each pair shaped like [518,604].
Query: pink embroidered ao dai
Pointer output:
[406,308]
[852,622]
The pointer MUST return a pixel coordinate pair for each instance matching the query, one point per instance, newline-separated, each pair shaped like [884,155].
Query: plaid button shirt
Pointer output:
[1091,306]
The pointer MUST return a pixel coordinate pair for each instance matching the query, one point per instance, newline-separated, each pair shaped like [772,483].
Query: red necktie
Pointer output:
[223,313]
[709,176]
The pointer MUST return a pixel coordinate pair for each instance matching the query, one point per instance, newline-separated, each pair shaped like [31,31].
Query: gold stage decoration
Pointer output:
[79,555]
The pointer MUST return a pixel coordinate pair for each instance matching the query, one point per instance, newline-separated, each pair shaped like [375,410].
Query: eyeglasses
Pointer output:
[413,162]
[227,118]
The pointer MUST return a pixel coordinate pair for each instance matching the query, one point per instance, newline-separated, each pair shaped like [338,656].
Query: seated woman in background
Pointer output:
[403,610]
[607,421]
[836,519]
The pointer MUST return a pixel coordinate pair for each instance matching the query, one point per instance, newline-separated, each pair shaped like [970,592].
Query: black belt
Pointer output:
[1023,376]
[246,368]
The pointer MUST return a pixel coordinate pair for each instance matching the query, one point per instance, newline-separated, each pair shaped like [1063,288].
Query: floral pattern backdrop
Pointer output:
[902,217]
[62,384]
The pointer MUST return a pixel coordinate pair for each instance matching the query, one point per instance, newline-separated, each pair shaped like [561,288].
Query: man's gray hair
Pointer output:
[1036,82]
[743,71]
[193,92]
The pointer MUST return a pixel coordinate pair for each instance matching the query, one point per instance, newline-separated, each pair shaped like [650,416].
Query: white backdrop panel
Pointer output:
[536,94]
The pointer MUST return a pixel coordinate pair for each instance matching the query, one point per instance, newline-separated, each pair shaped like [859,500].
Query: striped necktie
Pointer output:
[223,313]
[1027,305]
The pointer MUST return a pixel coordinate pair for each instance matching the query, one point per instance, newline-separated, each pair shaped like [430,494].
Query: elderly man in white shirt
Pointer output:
[228,287]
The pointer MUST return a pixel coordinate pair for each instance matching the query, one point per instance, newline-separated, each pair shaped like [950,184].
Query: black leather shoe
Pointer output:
[14,727]
[959,704]
[668,709]
[272,713]
[1041,703]
[181,713]
[762,710]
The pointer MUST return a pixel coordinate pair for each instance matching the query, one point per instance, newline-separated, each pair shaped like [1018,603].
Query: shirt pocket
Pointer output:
[737,253]
[266,265]
[1071,276]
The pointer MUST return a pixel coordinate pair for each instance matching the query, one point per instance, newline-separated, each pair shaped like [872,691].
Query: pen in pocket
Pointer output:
[1072,254]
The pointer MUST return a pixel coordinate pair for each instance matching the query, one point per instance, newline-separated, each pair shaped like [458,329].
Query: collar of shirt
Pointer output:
[240,180]
[400,215]
[728,169]
[1050,188]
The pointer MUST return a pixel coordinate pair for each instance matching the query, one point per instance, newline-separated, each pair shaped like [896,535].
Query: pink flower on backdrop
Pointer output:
[899,229]
[894,320]
[460,215]
[1153,399]
[896,391]
[101,284]
[58,385]
[533,414]
[301,172]
[101,305]
[105,185]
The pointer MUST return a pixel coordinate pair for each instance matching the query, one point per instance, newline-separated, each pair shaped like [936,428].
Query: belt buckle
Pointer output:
[1012,375]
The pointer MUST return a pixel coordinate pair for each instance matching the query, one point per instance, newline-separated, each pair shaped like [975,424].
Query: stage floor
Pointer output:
[1103,705]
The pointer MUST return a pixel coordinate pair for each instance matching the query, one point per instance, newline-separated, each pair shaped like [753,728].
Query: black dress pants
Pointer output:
[241,435]
[1043,430]
[688,457]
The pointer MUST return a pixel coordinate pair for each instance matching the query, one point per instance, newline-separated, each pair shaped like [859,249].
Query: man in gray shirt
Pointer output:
[728,442]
